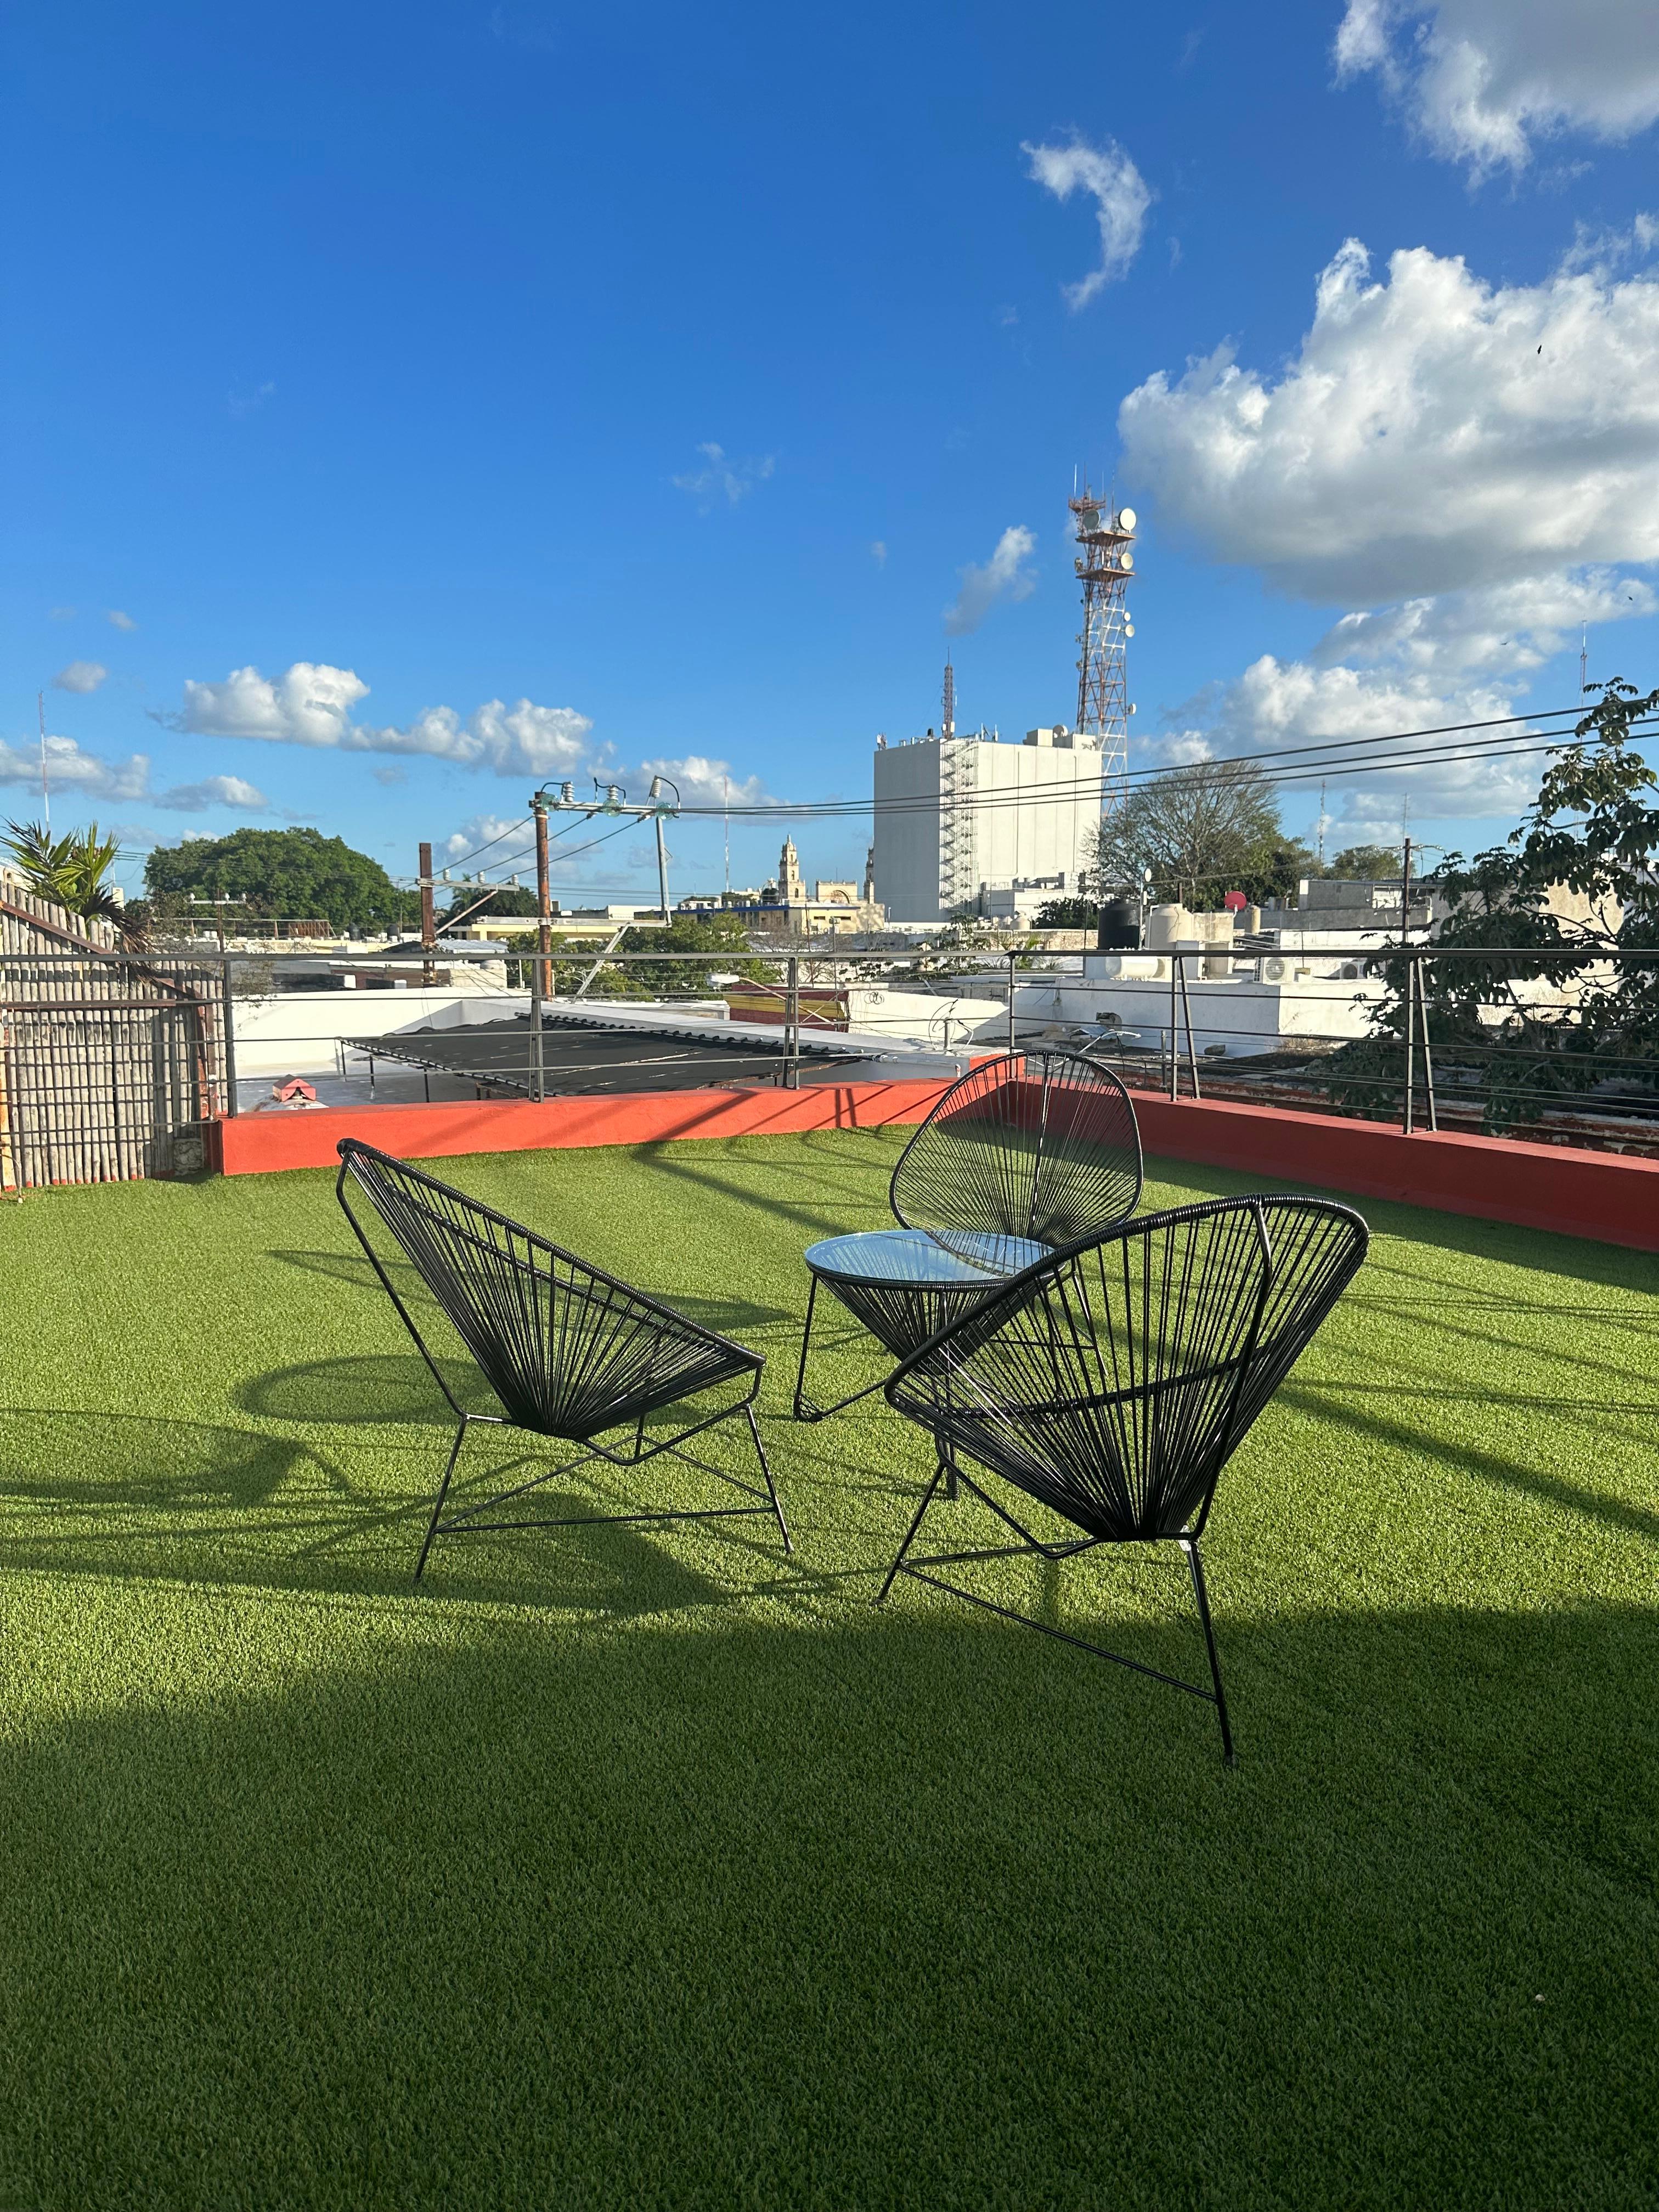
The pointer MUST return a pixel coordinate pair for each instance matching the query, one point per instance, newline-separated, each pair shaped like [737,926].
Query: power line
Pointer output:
[1329,750]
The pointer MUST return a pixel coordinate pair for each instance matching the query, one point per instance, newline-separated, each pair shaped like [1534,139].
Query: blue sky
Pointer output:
[382,351]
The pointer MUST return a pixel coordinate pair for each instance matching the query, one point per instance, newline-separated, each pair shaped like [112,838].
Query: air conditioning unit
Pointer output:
[1274,971]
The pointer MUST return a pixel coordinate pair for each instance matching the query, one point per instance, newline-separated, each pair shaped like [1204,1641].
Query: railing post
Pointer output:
[537,1068]
[1012,957]
[228,1001]
[1428,1056]
[1411,1044]
[1174,1064]
[792,1027]
[1187,1012]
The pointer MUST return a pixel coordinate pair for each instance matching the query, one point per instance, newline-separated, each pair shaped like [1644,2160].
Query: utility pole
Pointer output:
[1321,829]
[429,919]
[46,789]
[544,901]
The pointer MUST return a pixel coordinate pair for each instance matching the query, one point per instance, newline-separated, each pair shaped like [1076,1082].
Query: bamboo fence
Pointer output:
[106,1059]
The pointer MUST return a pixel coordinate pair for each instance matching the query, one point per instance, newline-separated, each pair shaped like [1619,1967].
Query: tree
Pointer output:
[507,902]
[1202,830]
[1364,863]
[1068,914]
[73,871]
[299,873]
[1592,832]
[721,934]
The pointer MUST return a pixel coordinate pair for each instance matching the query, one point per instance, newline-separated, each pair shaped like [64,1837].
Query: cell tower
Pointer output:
[1105,561]
[947,727]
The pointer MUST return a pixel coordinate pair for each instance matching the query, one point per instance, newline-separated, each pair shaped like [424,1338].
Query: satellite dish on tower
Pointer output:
[1126,559]
[1125,518]
[1090,519]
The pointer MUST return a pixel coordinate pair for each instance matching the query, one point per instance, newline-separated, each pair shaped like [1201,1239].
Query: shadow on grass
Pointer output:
[1575,1258]
[1333,1404]
[906,1910]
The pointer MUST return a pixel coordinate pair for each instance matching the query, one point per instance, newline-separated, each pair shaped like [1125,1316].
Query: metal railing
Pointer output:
[113,1061]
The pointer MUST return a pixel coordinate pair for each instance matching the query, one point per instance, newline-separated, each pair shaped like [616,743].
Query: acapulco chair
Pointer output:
[570,1353]
[1112,1383]
[1029,1152]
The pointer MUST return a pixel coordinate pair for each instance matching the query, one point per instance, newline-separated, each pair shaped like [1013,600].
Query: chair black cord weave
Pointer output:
[1113,1383]
[1039,1146]
[570,1353]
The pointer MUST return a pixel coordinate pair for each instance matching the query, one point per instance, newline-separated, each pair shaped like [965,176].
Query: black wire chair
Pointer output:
[570,1353]
[1034,1148]
[1113,1383]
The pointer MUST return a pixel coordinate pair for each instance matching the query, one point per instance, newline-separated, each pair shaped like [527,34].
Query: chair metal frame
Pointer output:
[492,1244]
[1013,1209]
[1049,1303]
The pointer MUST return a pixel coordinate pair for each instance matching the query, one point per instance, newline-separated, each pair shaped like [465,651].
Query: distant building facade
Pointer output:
[956,817]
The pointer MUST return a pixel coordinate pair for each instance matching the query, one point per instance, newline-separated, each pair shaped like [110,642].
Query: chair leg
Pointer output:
[805,1410]
[766,1469]
[910,1533]
[1196,1565]
[443,1493]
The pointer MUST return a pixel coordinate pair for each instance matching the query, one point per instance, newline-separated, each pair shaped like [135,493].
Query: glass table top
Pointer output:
[925,1259]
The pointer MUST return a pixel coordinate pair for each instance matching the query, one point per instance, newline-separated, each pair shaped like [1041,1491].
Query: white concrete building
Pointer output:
[954,814]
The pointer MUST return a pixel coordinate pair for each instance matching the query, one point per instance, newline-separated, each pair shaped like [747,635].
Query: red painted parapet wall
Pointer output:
[257,1143]
[1610,1196]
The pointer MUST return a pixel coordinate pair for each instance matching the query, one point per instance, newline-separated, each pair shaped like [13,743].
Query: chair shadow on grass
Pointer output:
[142,1497]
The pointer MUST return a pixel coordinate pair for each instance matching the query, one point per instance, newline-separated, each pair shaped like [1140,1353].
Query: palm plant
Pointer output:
[72,871]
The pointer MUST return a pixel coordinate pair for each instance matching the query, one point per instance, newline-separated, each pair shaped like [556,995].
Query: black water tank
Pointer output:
[1119,927]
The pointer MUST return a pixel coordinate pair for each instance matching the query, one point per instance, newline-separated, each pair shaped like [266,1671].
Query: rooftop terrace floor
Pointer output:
[624,1868]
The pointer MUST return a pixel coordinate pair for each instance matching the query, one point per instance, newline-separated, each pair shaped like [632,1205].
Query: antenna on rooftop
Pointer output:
[948,723]
[1583,661]
[1321,829]
[46,791]
[1105,537]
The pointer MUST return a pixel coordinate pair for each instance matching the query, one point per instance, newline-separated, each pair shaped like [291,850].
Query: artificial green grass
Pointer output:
[650,1868]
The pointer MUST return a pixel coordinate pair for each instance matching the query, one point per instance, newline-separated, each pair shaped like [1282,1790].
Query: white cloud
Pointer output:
[719,478]
[705,782]
[1479,80]
[61,614]
[1421,665]
[521,740]
[1433,432]
[390,773]
[1120,197]
[492,830]
[311,702]
[70,768]
[119,619]
[1278,704]
[878,552]
[79,676]
[1003,576]
[1500,629]
[212,791]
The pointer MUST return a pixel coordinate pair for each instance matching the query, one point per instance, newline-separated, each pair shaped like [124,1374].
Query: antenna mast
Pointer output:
[1105,536]
[947,727]
[46,789]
